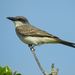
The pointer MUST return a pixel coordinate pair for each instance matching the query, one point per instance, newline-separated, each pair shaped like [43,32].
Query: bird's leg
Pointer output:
[31,47]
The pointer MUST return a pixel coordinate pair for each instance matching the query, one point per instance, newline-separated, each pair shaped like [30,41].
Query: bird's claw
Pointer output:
[32,47]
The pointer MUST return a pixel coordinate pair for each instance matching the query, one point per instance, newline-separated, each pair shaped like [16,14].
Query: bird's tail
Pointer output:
[57,40]
[67,43]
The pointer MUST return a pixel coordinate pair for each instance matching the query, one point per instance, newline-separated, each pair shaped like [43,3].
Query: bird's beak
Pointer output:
[11,18]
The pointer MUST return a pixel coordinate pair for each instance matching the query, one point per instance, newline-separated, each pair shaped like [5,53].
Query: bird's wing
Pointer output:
[33,31]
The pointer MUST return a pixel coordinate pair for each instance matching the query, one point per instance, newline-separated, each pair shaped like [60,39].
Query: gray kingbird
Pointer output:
[34,36]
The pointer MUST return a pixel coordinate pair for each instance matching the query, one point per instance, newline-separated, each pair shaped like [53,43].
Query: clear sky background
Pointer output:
[54,16]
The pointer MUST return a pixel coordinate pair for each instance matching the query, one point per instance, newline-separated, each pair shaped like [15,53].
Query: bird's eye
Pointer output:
[19,19]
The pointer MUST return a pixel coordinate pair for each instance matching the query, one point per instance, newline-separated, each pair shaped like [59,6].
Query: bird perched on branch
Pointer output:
[34,36]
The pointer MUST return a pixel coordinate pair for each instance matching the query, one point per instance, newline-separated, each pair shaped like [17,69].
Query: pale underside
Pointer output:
[36,40]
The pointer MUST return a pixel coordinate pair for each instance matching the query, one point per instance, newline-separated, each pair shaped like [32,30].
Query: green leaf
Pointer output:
[5,70]
[18,74]
[8,73]
[0,69]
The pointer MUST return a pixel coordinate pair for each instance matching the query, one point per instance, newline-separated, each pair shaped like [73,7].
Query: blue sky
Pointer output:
[56,17]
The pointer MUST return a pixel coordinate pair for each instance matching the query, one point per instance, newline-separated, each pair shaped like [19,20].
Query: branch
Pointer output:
[53,71]
[32,49]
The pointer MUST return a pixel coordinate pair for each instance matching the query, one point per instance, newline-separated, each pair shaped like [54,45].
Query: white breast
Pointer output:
[31,40]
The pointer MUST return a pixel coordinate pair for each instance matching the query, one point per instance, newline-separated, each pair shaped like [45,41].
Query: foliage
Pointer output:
[7,71]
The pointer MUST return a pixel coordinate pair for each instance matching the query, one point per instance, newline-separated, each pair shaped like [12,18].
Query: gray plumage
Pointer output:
[24,28]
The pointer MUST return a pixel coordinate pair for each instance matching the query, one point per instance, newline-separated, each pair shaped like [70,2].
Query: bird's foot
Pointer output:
[31,47]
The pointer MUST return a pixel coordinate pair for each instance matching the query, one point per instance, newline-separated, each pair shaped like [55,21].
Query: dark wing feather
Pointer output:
[33,31]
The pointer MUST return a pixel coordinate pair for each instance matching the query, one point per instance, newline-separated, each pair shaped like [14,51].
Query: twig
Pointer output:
[32,49]
[14,72]
[57,70]
[53,71]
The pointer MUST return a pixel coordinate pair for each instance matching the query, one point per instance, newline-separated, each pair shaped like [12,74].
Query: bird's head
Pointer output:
[18,20]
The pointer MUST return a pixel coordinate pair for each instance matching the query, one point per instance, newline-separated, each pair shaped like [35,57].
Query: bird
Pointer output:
[34,36]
